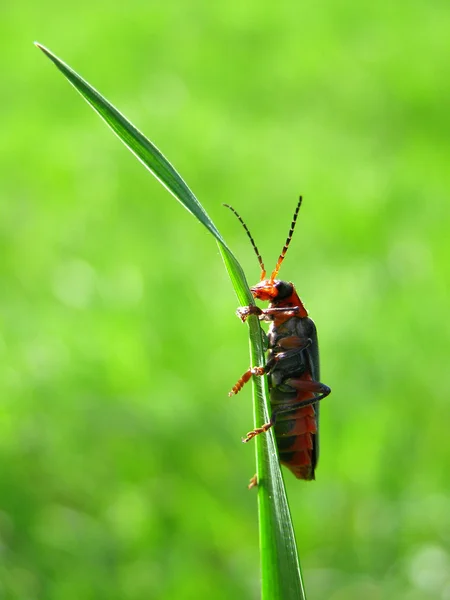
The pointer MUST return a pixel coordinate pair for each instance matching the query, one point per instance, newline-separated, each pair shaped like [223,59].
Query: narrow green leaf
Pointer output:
[280,569]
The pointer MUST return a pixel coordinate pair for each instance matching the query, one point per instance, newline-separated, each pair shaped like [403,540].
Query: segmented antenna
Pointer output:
[288,241]
[261,264]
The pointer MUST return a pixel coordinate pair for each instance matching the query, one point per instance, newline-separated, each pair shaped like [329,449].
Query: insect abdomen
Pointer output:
[296,431]
[296,435]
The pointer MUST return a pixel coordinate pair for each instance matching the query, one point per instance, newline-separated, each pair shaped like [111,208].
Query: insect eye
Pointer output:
[284,289]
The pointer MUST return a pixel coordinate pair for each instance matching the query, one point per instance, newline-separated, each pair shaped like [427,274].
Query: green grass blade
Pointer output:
[280,569]
[141,147]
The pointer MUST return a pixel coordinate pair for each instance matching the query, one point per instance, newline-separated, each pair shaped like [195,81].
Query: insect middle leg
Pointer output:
[237,387]
[291,345]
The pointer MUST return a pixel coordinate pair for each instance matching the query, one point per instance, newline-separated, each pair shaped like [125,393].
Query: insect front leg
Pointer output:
[265,314]
[243,312]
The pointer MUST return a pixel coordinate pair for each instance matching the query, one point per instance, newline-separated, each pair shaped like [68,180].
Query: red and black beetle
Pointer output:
[292,367]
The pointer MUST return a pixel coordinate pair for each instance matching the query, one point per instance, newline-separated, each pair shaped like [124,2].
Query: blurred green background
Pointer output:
[122,474]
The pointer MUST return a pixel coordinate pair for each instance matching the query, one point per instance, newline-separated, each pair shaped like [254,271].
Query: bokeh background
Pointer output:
[122,474]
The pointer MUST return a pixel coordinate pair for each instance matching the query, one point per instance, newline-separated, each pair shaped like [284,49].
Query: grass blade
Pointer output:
[280,569]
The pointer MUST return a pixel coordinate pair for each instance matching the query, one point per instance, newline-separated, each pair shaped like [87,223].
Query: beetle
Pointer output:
[292,366]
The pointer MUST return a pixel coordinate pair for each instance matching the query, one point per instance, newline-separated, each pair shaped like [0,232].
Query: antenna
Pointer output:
[288,241]
[261,264]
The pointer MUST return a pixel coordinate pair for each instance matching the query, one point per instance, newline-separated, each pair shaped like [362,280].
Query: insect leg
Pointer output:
[301,385]
[259,371]
[243,312]
[293,341]
[265,314]
[246,377]
[291,347]
[253,482]
[292,344]
[277,310]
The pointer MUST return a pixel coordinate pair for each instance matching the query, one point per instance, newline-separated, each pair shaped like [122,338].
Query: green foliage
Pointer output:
[122,474]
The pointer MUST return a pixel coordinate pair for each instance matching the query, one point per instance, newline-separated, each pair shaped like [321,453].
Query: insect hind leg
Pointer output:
[306,386]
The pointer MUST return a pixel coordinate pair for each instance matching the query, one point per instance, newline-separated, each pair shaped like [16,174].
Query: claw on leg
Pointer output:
[257,431]
[253,482]
[243,312]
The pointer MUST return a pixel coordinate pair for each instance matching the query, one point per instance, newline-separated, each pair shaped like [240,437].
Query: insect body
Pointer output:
[292,367]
